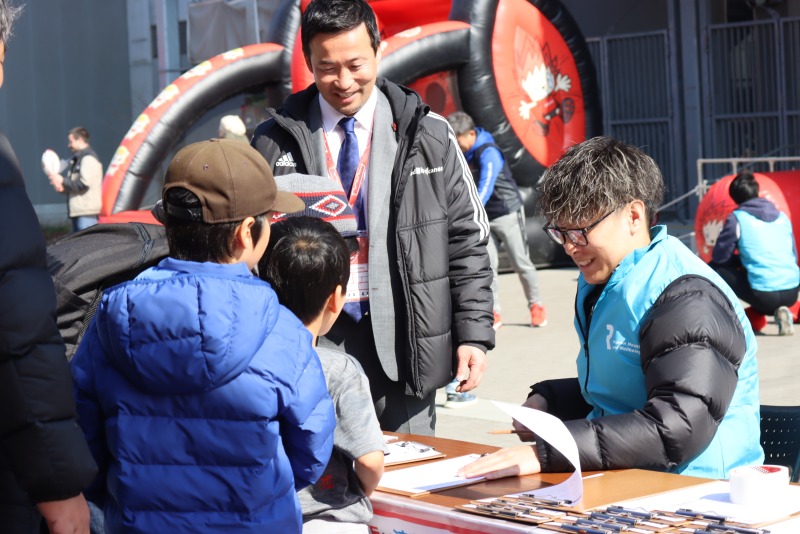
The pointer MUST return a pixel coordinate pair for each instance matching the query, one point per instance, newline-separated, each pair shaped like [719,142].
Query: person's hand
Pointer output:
[513,461]
[537,402]
[471,365]
[70,516]
[57,181]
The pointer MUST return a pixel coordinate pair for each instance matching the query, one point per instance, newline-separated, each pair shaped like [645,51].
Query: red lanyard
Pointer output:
[361,170]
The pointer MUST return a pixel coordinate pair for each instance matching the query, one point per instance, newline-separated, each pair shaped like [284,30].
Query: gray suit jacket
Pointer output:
[381,297]
[379,185]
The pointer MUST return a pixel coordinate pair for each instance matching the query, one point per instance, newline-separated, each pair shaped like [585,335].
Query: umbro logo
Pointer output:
[286,161]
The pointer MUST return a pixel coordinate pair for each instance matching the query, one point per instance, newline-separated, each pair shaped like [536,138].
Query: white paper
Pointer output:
[553,431]
[400,452]
[714,498]
[430,476]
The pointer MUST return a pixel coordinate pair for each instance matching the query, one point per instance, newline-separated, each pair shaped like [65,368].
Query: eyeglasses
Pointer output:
[578,236]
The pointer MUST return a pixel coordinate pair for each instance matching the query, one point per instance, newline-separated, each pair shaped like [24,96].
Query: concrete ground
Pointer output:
[526,355]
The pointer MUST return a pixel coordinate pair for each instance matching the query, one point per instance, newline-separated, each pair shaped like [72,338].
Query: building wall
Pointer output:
[67,65]
[611,17]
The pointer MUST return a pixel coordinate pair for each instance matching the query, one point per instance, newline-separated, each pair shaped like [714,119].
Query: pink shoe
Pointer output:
[795,309]
[538,316]
[498,321]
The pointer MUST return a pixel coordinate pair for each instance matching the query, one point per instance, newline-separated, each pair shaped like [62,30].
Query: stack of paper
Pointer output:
[401,452]
[424,479]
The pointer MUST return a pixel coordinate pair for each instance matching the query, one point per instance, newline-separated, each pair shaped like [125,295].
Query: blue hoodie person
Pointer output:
[201,397]
[765,273]
[503,202]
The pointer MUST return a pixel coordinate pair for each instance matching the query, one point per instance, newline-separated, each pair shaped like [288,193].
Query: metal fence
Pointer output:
[751,93]
[634,73]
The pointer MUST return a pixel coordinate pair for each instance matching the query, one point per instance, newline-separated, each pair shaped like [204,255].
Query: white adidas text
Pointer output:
[286,161]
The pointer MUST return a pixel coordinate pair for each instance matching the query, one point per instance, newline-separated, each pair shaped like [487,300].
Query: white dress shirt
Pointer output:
[334,134]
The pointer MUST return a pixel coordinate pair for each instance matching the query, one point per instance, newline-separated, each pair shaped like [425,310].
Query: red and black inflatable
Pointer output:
[520,68]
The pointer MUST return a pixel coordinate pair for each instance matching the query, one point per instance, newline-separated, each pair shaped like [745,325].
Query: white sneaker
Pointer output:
[784,319]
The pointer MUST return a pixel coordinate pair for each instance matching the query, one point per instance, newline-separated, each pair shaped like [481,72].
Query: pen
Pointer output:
[591,524]
[700,515]
[507,431]
[541,500]
[508,512]
[619,510]
[712,527]
[615,518]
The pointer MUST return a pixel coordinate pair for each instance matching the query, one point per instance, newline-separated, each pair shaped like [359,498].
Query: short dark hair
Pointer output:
[334,16]
[596,176]
[460,122]
[199,241]
[744,187]
[305,260]
[80,132]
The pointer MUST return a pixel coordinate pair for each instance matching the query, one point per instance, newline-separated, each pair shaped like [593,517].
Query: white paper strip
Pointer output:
[553,431]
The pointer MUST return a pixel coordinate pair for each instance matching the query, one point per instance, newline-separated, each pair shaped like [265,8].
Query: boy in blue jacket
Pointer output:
[201,397]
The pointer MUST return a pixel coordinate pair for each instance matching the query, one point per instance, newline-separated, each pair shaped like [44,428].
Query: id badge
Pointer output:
[358,285]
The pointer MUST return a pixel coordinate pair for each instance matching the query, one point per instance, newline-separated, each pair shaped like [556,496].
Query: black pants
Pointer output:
[764,302]
[396,411]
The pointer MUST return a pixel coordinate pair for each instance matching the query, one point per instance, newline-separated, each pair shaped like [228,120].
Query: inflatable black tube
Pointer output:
[247,74]
[428,55]
[284,30]
[478,87]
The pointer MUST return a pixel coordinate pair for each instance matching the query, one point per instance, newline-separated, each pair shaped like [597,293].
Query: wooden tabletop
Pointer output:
[480,490]
[605,488]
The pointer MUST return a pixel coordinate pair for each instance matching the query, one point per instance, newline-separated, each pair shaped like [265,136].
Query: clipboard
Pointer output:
[422,480]
[403,452]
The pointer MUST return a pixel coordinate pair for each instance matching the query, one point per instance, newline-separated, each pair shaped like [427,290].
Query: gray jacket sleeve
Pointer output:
[692,344]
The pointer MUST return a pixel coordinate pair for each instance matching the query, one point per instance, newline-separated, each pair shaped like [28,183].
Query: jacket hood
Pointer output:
[483,137]
[760,208]
[184,327]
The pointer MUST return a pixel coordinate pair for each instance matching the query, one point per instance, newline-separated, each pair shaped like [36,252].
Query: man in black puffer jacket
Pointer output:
[44,458]
[667,370]
[419,305]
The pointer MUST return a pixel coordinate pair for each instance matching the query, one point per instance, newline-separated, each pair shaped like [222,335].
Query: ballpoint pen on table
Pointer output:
[733,529]
[543,500]
[701,515]
[621,511]
[618,518]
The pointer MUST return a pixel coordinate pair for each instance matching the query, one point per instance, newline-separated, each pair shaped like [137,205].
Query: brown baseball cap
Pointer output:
[232,180]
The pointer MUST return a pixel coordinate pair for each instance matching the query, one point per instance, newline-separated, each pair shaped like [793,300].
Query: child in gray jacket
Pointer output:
[308,265]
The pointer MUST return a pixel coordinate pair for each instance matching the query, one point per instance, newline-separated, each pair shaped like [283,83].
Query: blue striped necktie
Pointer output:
[348,155]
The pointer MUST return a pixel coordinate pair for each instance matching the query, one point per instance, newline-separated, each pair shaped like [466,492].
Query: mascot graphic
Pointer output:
[546,87]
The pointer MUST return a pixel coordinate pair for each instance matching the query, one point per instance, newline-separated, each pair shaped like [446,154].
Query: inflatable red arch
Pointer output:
[520,68]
